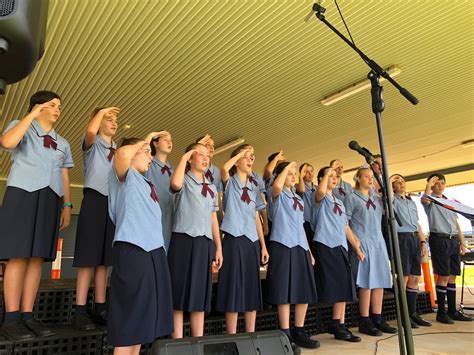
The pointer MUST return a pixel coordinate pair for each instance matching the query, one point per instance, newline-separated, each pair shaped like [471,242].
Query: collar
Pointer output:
[196,180]
[159,162]
[104,143]
[40,131]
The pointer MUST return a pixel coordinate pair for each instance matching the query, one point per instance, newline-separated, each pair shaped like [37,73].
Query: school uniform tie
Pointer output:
[245,195]
[370,203]
[209,176]
[111,153]
[297,204]
[206,189]
[337,209]
[153,194]
[342,192]
[253,181]
[166,169]
[48,142]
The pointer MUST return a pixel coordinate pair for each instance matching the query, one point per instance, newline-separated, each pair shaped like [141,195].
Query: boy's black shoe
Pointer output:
[460,317]
[443,317]
[415,317]
[339,332]
[385,327]
[303,340]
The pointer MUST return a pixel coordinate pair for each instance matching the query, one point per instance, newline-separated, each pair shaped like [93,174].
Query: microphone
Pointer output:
[362,151]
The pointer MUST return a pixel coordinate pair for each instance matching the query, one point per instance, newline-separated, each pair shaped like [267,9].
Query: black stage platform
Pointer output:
[55,305]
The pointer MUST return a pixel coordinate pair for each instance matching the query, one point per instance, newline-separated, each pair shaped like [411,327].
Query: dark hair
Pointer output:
[130,141]
[188,148]
[438,175]
[301,167]
[236,151]
[153,148]
[333,161]
[321,173]
[272,156]
[41,97]
[393,175]
[280,167]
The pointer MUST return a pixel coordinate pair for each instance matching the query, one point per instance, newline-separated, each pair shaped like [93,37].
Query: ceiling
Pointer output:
[255,69]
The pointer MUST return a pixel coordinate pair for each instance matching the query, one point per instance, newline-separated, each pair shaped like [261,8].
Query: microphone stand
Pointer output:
[405,336]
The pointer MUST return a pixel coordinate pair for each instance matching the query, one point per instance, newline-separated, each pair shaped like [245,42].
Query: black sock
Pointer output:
[11,317]
[27,315]
[287,332]
[451,295]
[298,330]
[334,322]
[441,297]
[411,299]
[81,309]
[364,319]
[376,318]
[99,307]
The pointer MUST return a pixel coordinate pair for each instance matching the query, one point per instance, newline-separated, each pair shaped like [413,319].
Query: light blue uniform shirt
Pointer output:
[260,184]
[239,216]
[268,192]
[407,213]
[308,198]
[137,217]
[35,166]
[159,176]
[96,165]
[193,211]
[287,227]
[440,219]
[342,190]
[329,222]
[366,223]
[213,174]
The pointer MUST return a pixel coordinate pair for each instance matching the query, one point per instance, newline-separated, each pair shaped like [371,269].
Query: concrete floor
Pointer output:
[449,339]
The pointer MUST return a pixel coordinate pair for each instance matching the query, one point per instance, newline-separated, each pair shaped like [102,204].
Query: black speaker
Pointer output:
[273,342]
[22,35]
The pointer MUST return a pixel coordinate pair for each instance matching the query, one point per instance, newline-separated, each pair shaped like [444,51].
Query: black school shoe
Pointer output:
[99,318]
[443,317]
[385,327]
[303,340]
[37,328]
[415,318]
[339,332]
[353,338]
[17,331]
[82,322]
[459,316]
[368,327]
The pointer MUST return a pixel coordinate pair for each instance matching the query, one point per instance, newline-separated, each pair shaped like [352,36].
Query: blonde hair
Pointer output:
[358,175]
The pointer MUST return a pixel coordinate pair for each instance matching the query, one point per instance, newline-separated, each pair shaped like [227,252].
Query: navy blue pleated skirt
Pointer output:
[95,231]
[290,276]
[239,286]
[190,262]
[140,302]
[354,261]
[333,274]
[30,224]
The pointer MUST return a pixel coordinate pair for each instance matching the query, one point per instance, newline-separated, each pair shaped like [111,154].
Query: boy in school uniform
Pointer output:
[412,245]
[140,303]
[446,246]
[32,212]
[95,230]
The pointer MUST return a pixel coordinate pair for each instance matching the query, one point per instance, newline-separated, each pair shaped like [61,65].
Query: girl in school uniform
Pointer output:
[290,276]
[243,247]
[305,188]
[212,172]
[32,212]
[192,249]
[333,272]
[343,188]
[364,210]
[160,175]
[95,230]
[140,303]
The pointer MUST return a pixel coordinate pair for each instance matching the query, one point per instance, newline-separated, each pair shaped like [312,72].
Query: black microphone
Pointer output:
[362,151]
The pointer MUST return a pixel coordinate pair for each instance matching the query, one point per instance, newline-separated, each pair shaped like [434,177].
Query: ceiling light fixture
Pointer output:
[356,87]
[229,145]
